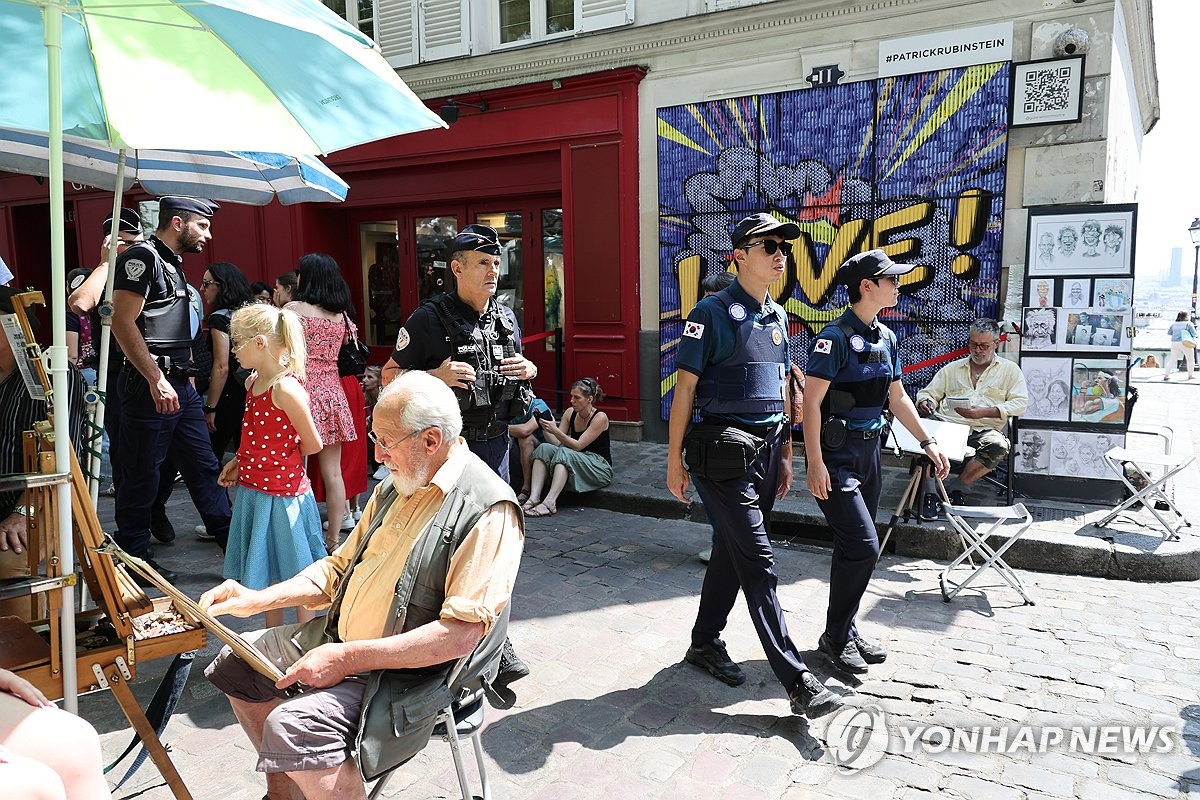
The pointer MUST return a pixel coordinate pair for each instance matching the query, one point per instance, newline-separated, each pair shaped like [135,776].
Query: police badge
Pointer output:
[134,269]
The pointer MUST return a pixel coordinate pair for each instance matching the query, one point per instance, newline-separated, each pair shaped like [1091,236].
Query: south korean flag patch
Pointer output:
[823,346]
[134,269]
[693,330]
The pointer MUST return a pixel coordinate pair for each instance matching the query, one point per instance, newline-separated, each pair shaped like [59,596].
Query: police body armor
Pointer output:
[860,389]
[493,399]
[166,318]
[751,380]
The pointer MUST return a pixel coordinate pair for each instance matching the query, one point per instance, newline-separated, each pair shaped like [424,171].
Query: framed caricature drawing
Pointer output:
[1094,241]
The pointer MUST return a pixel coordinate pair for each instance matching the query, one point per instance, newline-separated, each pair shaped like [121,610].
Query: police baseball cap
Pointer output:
[476,237]
[871,264]
[760,225]
[195,205]
[130,222]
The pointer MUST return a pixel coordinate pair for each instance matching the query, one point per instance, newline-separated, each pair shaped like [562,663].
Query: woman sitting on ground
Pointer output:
[526,431]
[576,452]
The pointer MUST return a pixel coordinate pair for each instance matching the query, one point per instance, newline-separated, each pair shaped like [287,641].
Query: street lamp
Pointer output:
[1194,230]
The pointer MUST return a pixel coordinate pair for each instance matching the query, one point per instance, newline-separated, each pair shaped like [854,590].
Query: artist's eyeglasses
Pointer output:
[388,448]
[771,247]
[207,282]
[892,279]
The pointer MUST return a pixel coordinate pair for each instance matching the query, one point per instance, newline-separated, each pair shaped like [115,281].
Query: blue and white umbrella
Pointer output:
[251,178]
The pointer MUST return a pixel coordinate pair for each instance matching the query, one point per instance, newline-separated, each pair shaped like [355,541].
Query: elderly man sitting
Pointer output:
[983,391]
[424,580]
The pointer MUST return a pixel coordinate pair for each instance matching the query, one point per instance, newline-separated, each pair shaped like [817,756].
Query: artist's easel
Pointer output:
[39,660]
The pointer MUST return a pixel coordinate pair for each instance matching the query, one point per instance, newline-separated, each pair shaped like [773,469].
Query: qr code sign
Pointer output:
[1047,89]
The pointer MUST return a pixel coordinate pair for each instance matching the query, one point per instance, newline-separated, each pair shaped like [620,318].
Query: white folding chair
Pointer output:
[1144,463]
[1011,521]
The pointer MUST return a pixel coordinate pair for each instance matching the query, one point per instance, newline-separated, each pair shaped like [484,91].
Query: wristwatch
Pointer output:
[210,410]
[24,511]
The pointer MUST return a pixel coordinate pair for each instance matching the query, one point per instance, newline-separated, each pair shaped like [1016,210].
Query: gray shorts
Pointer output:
[313,730]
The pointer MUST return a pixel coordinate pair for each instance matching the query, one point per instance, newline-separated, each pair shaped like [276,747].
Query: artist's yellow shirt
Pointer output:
[1000,386]
[482,571]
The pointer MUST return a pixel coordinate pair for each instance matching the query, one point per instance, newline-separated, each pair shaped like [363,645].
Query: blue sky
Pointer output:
[1169,195]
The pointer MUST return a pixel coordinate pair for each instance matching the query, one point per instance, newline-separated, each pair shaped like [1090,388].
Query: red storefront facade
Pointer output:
[552,165]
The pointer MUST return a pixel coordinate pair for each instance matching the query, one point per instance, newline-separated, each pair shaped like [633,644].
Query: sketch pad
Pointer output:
[240,647]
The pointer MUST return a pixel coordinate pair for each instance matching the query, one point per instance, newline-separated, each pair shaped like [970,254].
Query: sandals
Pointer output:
[523,498]
[546,511]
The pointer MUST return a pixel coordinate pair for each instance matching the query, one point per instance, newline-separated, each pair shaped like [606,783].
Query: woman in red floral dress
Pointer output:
[323,302]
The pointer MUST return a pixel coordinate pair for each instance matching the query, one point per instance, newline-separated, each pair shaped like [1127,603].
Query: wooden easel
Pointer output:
[110,667]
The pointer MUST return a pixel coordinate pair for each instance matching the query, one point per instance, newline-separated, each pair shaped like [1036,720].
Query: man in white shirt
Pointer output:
[982,391]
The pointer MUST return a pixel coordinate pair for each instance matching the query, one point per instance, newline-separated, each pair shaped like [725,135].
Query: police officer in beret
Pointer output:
[472,342]
[732,368]
[853,378]
[161,411]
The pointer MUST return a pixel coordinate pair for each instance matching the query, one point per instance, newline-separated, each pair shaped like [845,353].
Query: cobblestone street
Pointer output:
[602,613]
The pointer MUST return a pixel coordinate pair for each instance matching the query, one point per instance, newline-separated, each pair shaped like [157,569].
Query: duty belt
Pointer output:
[875,434]
[174,368]
[483,432]
[761,431]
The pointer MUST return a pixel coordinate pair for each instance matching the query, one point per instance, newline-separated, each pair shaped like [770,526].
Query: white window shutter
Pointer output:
[595,15]
[445,30]
[398,32]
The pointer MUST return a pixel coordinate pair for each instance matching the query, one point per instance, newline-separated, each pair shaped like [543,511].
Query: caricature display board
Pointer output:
[1077,330]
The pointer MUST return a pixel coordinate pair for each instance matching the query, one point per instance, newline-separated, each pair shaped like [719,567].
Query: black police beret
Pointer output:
[476,237]
[196,205]
[871,264]
[760,225]
[130,222]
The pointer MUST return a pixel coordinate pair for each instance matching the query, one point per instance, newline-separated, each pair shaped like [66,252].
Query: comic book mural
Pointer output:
[913,164]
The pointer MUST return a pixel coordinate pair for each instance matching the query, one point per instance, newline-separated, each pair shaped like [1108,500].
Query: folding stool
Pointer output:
[1152,490]
[1012,521]
[460,720]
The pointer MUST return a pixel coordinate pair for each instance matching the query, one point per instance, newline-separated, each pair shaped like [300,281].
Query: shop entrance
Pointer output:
[403,262]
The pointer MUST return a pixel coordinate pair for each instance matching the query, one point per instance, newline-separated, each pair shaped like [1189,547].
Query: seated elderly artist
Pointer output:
[389,635]
[982,391]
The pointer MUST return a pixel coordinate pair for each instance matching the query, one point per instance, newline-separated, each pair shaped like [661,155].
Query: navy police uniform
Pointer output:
[862,361]
[446,327]
[738,348]
[153,271]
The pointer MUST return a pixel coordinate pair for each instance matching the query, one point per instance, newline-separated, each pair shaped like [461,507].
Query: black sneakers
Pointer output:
[846,658]
[810,698]
[714,658]
[931,508]
[162,529]
[169,576]
[870,652]
[511,670]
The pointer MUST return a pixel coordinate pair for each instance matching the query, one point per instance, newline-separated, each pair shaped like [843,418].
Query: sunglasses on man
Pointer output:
[771,247]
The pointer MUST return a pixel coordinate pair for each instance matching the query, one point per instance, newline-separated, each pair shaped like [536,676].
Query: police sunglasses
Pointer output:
[770,247]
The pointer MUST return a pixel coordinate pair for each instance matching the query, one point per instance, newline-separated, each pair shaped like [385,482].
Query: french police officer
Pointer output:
[733,364]
[161,411]
[853,378]
[472,343]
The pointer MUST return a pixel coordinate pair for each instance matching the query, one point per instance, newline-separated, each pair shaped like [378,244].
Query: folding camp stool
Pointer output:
[1012,521]
[1152,490]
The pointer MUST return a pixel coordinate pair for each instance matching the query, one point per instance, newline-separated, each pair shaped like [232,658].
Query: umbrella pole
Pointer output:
[106,331]
[52,20]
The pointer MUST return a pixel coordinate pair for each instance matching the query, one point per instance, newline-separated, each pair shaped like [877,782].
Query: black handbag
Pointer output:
[352,357]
